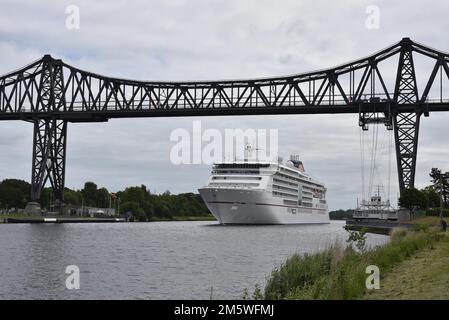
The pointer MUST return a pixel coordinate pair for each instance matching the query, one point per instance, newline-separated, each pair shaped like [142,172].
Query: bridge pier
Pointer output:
[33,208]
[49,154]
[406,132]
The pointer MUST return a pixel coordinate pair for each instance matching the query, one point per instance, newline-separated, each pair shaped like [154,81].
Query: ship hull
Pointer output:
[239,206]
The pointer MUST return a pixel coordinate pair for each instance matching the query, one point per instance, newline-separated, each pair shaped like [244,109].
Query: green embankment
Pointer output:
[430,221]
[340,272]
[425,275]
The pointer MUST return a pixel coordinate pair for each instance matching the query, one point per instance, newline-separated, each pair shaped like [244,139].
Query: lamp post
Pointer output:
[442,179]
[441,208]
[118,206]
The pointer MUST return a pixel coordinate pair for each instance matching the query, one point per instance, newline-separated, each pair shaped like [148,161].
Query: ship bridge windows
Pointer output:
[293,178]
[235,178]
[234,184]
[220,171]
[303,180]
[241,165]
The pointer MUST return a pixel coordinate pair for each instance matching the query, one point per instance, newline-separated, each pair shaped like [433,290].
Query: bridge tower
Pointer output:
[406,124]
[50,134]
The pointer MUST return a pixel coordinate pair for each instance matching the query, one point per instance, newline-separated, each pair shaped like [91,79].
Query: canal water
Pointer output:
[158,260]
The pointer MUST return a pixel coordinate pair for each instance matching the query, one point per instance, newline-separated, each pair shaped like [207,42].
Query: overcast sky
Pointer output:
[192,39]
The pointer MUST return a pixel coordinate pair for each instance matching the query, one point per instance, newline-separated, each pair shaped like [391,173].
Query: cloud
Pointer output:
[176,40]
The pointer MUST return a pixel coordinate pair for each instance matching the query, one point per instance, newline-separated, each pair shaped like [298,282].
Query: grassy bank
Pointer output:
[340,272]
[425,275]
[428,220]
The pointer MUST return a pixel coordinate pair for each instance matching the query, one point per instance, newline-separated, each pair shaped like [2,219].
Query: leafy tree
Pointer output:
[135,209]
[102,198]
[89,193]
[341,214]
[72,197]
[440,182]
[412,198]
[135,194]
[14,193]
[432,197]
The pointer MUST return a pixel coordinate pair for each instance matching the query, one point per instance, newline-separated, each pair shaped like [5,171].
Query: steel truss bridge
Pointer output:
[386,88]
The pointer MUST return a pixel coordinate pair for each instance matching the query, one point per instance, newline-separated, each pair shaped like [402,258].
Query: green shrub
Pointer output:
[298,272]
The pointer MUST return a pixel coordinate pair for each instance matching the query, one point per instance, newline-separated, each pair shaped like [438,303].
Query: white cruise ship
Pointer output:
[258,192]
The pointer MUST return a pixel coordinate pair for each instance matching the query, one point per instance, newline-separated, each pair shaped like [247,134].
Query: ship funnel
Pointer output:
[294,158]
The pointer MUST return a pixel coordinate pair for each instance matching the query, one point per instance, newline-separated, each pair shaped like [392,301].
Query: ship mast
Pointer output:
[249,150]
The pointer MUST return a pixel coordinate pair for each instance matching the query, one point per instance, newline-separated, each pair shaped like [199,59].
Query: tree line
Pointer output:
[146,206]
[432,197]
[341,214]
[137,200]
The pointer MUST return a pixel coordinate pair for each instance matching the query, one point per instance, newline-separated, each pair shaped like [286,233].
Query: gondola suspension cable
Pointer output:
[382,145]
[390,139]
[379,162]
[374,145]
[362,160]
